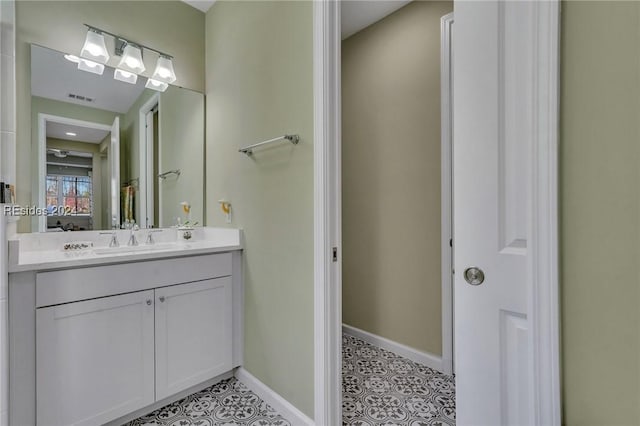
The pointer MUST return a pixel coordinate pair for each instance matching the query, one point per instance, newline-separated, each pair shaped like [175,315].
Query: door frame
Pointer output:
[43,119]
[446,202]
[145,157]
[542,269]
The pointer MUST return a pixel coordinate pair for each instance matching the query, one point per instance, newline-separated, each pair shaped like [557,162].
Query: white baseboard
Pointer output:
[268,395]
[425,358]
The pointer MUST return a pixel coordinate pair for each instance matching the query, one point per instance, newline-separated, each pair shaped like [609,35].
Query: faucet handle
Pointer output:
[114,239]
[150,236]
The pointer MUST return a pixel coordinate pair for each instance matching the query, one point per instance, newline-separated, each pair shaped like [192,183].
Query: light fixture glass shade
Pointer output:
[132,59]
[94,47]
[126,76]
[72,58]
[164,70]
[160,86]
[90,66]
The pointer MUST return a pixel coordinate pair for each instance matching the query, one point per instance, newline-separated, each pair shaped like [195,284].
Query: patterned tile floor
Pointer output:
[378,388]
[226,403]
[382,388]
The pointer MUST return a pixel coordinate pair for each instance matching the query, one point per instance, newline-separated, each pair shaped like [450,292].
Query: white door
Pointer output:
[193,334]
[94,359]
[114,153]
[493,50]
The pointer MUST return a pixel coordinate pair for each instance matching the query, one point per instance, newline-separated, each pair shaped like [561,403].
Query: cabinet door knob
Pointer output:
[161,299]
[149,302]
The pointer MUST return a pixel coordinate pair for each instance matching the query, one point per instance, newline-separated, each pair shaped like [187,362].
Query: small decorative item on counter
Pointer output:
[185,230]
[186,208]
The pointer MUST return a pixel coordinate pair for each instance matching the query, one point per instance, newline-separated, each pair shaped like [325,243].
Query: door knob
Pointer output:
[161,299]
[474,275]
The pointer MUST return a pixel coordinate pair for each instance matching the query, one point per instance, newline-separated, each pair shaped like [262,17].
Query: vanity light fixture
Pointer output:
[160,86]
[164,70]
[126,76]
[71,134]
[94,47]
[132,59]
[90,66]
[94,55]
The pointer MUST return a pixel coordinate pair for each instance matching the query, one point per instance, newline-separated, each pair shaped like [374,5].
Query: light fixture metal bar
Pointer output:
[118,37]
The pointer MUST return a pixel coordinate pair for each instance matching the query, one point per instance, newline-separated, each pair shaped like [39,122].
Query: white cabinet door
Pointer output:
[94,359]
[193,334]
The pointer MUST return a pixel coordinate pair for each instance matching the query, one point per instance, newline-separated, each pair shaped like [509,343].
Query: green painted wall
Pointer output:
[260,85]
[181,147]
[600,212]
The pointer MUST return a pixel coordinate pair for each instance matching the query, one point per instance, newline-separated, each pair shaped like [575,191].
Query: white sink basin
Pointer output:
[133,249]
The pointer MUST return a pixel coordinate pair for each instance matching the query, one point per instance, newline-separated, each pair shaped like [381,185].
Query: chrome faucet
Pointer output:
[114,239]
[150,239]
[132,239]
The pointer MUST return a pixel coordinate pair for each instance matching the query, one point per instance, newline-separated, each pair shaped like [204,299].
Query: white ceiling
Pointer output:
[83,134]
[359,14]
[54,77]
[356,14]
[202,5]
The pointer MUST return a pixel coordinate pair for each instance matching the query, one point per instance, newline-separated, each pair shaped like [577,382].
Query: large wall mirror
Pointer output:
[110,154]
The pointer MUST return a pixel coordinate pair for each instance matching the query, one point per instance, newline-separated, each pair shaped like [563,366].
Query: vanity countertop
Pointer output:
[44,251]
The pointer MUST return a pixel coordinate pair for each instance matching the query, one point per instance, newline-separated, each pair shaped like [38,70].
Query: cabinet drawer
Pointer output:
[56,287]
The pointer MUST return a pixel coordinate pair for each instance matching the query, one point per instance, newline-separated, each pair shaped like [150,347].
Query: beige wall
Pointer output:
[170,26]
[260,85]
[391,177]
[600,214]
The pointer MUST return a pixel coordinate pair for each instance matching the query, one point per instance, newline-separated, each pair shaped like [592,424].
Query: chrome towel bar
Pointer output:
[170,172]
[294,139]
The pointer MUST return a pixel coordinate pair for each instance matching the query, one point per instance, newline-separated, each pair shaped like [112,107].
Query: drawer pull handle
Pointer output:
[162,299]
[149,302]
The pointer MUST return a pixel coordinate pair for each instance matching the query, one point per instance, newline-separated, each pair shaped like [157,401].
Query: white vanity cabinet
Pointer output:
[193,334]
[95,359]
[118,340]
